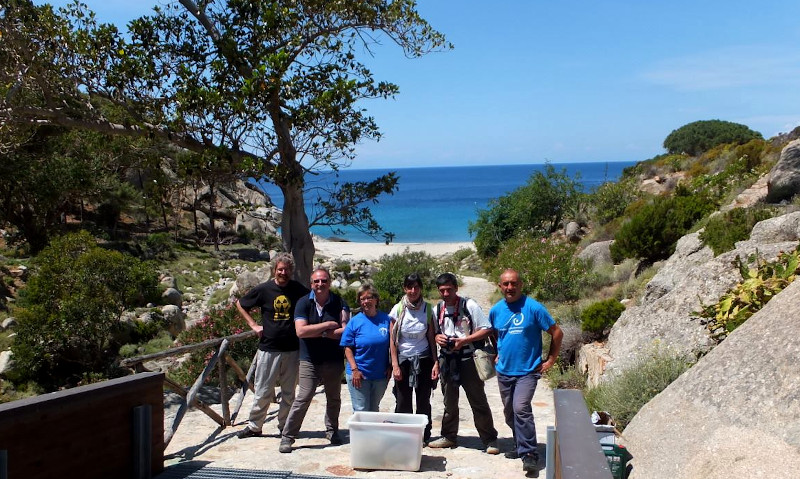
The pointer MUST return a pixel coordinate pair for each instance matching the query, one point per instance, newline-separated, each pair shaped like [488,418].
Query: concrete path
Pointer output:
[200,439]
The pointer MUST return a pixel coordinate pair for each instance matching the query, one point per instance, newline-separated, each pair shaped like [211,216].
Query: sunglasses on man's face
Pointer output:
[322,281]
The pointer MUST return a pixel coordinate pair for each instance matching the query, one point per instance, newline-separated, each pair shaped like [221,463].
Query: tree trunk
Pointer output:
[295,233]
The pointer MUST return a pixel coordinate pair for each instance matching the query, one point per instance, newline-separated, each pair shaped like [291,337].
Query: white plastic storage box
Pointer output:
[389,441]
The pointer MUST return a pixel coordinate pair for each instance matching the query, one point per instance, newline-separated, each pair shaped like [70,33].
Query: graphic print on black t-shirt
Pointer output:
[283,308]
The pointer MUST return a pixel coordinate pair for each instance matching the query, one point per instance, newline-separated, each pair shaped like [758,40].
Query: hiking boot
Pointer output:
[247,432]
[529,464]
[442,443]
[334,437]
[286,445]
[492,448]
[512,454]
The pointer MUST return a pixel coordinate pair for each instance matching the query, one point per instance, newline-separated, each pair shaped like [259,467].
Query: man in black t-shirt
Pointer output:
[277,358]
[319,320]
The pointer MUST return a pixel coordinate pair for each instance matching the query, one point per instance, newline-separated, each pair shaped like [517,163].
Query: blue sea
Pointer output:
[436,204]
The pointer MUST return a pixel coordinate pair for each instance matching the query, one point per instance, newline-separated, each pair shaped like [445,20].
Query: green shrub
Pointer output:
[536,208]
[623,395]
[217,324]
[550,269]
[159,245]
[611,199]
[651,233]
[160,342]
[724,230]
[71,307]
[699,136]
[601,315]
[565,378]
[394,268]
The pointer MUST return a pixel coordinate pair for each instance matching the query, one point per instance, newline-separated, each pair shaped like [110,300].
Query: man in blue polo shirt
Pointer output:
[519,321]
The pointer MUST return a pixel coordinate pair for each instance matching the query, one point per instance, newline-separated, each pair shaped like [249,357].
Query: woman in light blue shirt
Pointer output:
[366,348]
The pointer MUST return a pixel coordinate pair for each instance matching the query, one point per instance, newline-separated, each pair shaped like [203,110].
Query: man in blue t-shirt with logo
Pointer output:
[519,322]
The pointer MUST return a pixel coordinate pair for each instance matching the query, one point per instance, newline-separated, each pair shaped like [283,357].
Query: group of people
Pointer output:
[307,338]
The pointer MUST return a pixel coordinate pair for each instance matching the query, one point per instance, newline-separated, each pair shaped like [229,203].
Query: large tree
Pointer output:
[273,88]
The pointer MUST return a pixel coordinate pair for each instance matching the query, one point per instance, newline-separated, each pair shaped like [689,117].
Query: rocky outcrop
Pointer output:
[690,278]
[784,178]
[735,413]
[239,206]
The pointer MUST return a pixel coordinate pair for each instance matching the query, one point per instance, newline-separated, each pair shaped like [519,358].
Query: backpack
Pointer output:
[463,312]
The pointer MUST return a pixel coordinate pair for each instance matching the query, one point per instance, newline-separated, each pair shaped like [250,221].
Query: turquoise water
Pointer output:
[436,204]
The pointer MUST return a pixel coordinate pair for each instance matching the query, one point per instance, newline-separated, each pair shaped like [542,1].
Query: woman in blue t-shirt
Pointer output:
[366,346]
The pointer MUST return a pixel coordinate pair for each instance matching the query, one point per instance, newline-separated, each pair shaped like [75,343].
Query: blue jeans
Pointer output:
[516,392]
[368,397]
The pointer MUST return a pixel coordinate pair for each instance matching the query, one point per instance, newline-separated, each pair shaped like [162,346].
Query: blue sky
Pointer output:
[531,81]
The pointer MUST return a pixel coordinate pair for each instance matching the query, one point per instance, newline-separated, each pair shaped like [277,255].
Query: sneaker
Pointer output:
[334,437]
[512,454]
[492,448]
[529,464]
[247,432]
[442,443]
[286,445]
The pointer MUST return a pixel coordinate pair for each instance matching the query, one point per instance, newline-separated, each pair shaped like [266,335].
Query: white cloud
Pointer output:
[727,68]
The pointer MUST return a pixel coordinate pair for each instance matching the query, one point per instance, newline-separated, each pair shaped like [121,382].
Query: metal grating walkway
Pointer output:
[200,471]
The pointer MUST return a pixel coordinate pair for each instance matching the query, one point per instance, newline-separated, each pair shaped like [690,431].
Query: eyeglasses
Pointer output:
[366,298]
[323,281]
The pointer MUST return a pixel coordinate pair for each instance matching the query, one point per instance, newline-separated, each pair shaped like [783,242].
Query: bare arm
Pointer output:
[350,355]
[250,321]
[555,347]
[305,330]
[434,351]
[475,336]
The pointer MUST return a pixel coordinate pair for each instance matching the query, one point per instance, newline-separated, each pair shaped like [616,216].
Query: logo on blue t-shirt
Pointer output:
[384,331]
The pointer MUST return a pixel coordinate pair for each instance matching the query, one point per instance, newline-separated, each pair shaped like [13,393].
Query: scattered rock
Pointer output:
[6,361]
[174,317]
[9,323]
[172,296]
[598,253]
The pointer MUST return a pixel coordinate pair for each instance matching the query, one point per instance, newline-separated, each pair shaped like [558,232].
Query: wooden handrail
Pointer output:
[131,362]
[220,358]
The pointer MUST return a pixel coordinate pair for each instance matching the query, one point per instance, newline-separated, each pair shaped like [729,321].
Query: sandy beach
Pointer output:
[374,250]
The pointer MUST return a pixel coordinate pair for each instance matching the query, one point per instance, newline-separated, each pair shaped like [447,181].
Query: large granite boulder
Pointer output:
[599,253]
[784,178]
[735,413]
[690,278]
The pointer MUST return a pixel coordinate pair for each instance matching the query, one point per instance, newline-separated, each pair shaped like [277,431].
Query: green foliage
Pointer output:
[610,200]
[71,309]
[394,268]
[699,136]
[623,395]
[651,233]
[565,378]
[537,209]
[217,324]
[159,245]
[13,392]
[215,92]
[601,315]
[161,341]
[550,269]
[759,285]
[723,231]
